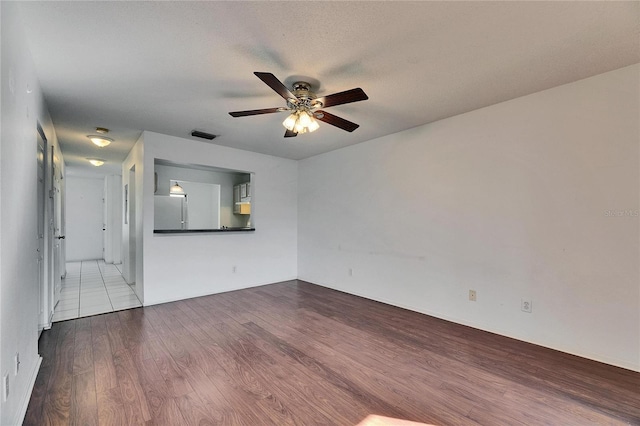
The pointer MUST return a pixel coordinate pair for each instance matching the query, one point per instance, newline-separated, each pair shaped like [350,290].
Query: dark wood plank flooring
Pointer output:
[296,353]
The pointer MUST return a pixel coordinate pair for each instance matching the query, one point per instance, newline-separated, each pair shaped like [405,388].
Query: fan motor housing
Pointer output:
[305,96]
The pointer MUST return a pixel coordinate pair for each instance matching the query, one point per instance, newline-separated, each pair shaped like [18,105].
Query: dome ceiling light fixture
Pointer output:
[176,190]
[100,141]
[96,161]
[305,106]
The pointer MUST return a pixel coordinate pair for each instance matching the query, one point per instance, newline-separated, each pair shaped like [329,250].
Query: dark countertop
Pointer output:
[200,231]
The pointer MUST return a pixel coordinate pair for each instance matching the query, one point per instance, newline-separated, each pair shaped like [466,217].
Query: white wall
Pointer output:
[84,218]
[22,107]
[183,266]
[132,242]
[516,200]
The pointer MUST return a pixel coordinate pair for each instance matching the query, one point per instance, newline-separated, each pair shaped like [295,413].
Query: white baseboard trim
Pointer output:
[484,327]
[209,292]
[27,396]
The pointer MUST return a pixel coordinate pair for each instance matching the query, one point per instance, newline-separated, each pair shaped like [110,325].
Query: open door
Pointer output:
[58,236]
[49,254]
[41,185]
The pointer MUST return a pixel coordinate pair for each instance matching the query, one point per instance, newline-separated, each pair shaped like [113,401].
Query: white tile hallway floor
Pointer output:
[93,287]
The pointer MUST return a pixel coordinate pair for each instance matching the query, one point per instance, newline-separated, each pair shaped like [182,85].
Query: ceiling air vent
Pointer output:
[203,135]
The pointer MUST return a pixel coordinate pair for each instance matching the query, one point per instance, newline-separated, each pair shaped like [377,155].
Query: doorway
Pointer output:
[58,237]
[41,193]
[50,256]
[130,215]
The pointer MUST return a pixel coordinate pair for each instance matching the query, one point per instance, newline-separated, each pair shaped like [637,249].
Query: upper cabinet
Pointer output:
[242,198]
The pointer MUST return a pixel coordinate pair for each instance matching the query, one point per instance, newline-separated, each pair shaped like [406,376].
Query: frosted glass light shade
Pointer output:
[299,128]
[100,141]
[176,190]
[305,120]
[313,126]
[290,122]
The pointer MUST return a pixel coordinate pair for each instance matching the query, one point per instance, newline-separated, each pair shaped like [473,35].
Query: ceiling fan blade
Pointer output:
[290,134]
[255,112]
[271,81]
[334,120]
[348,96]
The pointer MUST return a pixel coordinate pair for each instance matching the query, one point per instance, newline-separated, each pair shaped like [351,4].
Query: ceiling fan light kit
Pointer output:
[300,122]
[305,106]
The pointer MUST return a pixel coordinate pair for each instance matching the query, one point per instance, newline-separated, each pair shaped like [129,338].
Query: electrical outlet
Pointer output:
[472,295]
[17,363]
[525,305]
[5,387]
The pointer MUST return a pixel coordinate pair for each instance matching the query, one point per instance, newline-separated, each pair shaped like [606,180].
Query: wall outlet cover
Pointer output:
[525,305]
[472,295]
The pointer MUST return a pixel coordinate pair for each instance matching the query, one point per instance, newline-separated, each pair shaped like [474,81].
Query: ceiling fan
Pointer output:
[305,106]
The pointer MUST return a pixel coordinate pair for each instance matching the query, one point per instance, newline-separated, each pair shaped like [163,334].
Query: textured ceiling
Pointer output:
[171,67]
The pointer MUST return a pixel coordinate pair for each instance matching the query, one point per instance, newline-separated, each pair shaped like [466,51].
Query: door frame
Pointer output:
[53,256]
[57,268]
[42,146]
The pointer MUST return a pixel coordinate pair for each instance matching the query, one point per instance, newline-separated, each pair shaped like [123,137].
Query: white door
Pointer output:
[42,284]
[58,270]
[62,225]
[105,214]
[49,251]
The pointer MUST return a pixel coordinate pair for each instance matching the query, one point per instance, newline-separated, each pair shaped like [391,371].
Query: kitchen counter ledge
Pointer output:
[200,231]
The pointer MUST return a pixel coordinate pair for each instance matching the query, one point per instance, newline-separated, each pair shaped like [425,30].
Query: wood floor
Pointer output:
[295,353]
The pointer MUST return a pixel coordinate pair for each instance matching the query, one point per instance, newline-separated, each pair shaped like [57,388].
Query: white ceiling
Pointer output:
[171,67]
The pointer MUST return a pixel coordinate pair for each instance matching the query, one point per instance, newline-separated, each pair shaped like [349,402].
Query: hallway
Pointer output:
[93,287]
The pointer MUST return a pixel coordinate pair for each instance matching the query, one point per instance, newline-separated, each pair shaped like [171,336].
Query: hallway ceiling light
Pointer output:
[96,161]
[176,190]
[101,141]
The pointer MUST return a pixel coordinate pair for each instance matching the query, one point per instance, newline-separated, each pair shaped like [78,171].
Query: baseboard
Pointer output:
[27,396]
[208,292]
[42,327]
[484,327]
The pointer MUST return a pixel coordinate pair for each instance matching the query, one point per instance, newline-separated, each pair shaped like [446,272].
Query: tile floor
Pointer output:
[93,287]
